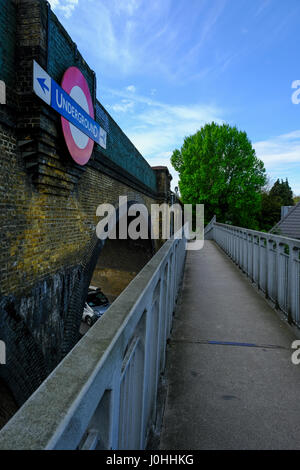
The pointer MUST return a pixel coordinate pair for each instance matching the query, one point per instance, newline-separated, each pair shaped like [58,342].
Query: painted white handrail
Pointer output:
[103,394]
[271,261]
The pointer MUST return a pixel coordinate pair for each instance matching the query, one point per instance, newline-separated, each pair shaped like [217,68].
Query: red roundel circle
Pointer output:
[79,144]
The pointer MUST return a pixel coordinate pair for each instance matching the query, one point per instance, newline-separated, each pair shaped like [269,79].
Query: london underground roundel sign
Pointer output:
[79,144]
[73,102]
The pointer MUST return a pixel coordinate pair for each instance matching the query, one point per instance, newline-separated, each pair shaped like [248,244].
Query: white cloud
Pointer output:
[281,156]
[131,88]
[123,107]
[157,128]
[53,3]
[163,127]
[111,40]
[65,6]
[138,37]
[129,6]
[283,149]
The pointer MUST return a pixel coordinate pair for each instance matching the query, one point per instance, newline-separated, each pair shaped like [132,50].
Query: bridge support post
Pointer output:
[267,268]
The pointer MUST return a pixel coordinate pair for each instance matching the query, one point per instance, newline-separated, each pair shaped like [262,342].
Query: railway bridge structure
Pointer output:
[49,250]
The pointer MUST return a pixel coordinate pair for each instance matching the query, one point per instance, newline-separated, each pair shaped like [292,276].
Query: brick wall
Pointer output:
[48,203]
[8,29]
[8,23]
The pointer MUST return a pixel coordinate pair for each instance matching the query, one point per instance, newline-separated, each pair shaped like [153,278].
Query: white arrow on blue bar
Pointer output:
[51,93]
[41,83]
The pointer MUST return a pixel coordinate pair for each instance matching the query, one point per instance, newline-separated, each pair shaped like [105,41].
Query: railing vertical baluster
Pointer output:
[267,265]
[278,274]
[249,255]
[235,246]
[259,261]
[245,266]
[292,280]
[240,249]
[115,407]
[253,258]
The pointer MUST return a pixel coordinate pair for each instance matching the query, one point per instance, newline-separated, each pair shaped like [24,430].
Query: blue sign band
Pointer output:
[62,102]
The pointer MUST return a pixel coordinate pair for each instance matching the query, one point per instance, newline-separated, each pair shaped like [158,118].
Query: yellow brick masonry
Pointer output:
[40,233]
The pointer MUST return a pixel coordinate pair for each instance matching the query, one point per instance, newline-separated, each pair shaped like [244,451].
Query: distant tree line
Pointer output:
[279,195]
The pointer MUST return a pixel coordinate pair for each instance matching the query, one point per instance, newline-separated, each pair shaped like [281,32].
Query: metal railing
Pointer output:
[271,261]
[208,231]
[103,394]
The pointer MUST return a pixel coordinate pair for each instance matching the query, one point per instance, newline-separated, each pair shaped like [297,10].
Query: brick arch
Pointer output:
[93,253]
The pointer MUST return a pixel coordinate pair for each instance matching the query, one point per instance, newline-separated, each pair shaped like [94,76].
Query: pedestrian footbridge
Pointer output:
[231,382]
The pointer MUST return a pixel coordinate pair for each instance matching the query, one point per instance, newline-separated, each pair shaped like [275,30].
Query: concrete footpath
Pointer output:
[242,395]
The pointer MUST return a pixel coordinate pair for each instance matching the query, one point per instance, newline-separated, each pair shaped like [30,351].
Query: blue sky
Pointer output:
[167,67]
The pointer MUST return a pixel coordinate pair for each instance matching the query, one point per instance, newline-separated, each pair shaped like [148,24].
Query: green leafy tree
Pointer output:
[270,211]
[218,167]
[296,199]
[283,191]
[279,195]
